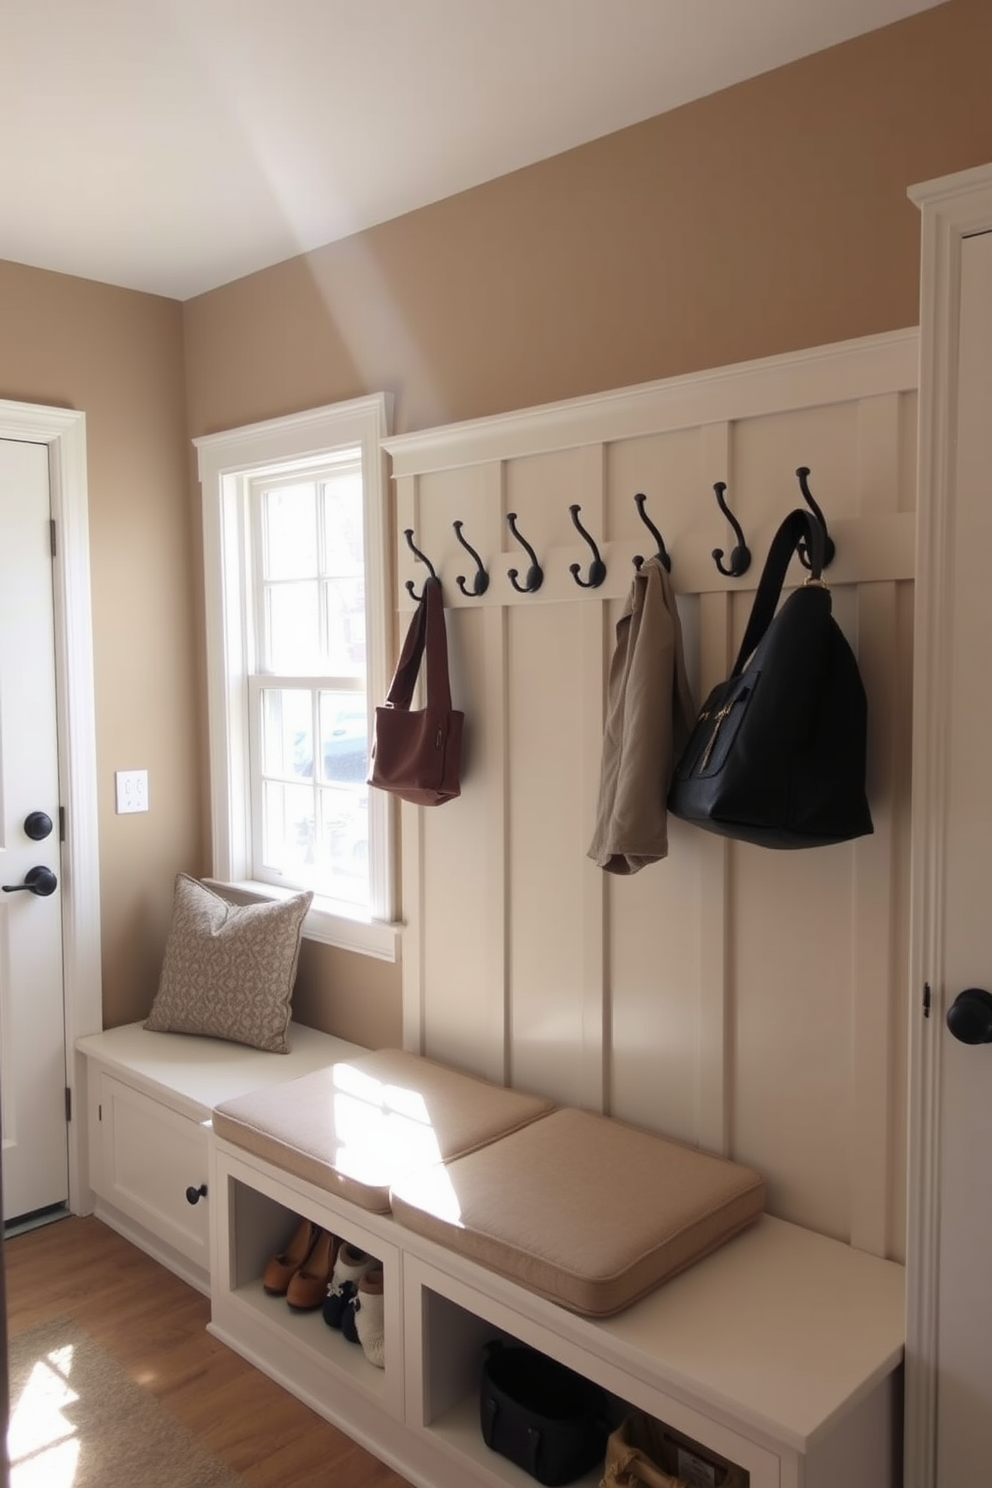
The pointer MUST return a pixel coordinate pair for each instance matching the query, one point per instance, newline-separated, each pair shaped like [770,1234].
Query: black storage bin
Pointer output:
[545,1418]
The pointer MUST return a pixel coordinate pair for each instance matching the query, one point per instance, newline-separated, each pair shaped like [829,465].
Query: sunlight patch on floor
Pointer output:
[44,1444]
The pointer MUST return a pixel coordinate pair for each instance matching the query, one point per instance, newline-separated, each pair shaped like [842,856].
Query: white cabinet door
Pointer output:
[150,1155]
[949,1406]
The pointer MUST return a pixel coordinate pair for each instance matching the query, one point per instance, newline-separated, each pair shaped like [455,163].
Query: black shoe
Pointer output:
[348,1325]
[336,1304]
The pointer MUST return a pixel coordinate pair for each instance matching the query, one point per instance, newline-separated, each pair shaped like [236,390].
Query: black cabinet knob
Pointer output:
[969,1016]
[194,1195]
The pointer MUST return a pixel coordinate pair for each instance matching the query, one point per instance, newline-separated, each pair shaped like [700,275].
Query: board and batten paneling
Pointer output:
[750,1001]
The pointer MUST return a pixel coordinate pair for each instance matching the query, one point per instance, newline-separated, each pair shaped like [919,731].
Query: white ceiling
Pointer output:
[174,145]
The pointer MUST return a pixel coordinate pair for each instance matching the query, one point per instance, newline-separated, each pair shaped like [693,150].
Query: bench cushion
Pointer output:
[581,1208]
[357,1127]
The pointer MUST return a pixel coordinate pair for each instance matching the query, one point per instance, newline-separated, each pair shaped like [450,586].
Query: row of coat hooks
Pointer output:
[738,563]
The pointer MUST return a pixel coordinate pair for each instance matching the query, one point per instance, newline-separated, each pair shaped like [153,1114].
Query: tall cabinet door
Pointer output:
[949,1352]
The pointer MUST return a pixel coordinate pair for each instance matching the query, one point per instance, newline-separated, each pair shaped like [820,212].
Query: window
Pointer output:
[296,610]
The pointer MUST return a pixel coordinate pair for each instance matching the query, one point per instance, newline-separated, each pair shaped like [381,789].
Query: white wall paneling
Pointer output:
[747,1000]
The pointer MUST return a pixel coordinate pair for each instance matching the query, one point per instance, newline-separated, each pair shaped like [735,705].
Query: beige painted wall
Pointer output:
[118,356]
[769,217]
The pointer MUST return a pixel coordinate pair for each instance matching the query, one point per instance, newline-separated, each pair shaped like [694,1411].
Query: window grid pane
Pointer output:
[315,809]
[311,574]
[289,527]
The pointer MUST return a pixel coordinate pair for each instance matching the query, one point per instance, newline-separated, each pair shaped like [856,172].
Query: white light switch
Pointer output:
[132,790]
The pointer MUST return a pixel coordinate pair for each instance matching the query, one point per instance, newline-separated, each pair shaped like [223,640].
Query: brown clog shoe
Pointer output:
[308,1287]
[281,1268]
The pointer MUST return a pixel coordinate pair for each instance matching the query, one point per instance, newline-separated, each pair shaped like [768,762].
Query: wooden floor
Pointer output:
[154,1325]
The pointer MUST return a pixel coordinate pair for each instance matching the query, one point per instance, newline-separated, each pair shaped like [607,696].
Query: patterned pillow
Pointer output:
[229,969]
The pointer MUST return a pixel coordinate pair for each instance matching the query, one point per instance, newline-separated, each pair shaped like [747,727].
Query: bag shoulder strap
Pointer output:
[800,526]
[426,632]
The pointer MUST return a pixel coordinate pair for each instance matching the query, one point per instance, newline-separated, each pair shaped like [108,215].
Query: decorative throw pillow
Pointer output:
[229,969]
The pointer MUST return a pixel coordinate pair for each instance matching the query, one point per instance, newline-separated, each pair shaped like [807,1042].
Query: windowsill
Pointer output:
[328,921]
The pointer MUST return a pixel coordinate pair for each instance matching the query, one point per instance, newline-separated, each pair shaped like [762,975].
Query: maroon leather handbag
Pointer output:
[416,752]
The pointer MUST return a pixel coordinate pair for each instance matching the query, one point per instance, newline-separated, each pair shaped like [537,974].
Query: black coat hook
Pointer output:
[408,534]
[535,574]
[662,553]
[480,579]
[740,557]
[597,568]
[802,475]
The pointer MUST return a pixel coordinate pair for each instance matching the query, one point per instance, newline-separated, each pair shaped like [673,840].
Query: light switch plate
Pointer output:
[132,790]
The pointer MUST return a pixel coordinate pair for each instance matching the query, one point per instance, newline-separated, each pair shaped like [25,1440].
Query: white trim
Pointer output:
[64,432]
[953,208]
[224,460]
[841,372]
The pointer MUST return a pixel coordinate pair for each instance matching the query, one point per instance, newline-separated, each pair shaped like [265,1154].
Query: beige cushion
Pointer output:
[229,969]
[582,1209]
[357,1127]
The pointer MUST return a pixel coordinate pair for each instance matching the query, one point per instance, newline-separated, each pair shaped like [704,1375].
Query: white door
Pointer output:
[949,1325]
[32,1019]
[964,1347]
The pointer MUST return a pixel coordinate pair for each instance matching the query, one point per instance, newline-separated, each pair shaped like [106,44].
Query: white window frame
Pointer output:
[227,462]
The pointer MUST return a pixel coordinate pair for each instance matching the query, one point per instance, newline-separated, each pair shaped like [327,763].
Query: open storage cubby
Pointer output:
[455,1324]
[263,1228]
[313,1360]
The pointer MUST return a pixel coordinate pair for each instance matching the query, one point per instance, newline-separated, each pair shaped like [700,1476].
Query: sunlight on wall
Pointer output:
[43,1443]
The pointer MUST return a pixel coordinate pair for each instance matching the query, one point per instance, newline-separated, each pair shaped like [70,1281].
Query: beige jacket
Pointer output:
[649,714]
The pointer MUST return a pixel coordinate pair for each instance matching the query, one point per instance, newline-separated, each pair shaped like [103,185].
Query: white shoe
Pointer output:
[369,1313]
[350,1266]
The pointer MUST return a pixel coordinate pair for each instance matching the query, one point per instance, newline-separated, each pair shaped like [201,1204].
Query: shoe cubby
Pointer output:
[256,1217]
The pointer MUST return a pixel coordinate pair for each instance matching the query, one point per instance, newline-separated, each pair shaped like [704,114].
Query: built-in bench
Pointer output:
[780,1351]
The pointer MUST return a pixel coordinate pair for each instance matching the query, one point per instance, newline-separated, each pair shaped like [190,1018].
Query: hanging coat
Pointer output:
[649,714]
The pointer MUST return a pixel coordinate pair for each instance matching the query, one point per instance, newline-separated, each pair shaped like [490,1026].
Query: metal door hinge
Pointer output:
[54,540]
[61,823]
[68,1104]
[926,999]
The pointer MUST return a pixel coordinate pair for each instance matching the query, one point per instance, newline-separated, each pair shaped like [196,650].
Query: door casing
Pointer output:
[64,432]
[953,208]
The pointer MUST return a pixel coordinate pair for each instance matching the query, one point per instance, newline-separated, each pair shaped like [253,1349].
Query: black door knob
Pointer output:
[40,881]
[194,1195]
[38,826]
[969,1016]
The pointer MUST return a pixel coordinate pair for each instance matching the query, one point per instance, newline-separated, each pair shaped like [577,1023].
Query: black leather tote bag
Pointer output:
[547,1419]
[778,753]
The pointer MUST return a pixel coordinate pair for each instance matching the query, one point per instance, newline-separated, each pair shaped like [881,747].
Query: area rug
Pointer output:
[77,1420]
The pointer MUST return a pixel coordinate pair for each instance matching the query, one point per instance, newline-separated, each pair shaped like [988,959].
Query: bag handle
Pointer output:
[426,632]
[799,526]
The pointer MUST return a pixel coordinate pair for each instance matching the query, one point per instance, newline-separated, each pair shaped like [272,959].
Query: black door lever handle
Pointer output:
[40,881]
